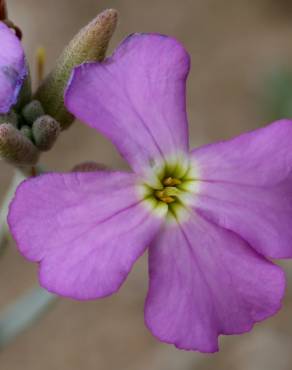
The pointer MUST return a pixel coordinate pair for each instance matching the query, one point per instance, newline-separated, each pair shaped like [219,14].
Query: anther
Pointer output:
[159,194]
[171,191]
[168,200]
[171,181]
[40,61]
[167,195]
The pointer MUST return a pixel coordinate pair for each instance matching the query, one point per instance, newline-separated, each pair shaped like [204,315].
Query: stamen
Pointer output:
[171,191]
[173,188]
[168,200]
[40,61]
[171,181]
[159,194]
[166,195]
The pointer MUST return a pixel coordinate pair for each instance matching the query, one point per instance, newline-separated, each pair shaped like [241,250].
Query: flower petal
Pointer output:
[247,187]
[206,281]
[85,229]
[263,217]
[136,98]
[12,68]
[259,158]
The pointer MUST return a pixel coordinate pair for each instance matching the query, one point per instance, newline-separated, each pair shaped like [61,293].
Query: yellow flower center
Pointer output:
[170,191]
[170,188]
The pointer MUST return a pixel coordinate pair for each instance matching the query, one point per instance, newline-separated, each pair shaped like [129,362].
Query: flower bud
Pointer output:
[27,132]
[89,44]
[11,117]
[15,147]
[32,111]
[45,131]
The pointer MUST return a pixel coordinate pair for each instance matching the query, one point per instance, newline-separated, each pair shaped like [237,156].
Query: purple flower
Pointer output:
[12,68]
[209,217]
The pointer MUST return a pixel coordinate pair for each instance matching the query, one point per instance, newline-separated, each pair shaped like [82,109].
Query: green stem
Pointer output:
[24,312]
[32,305]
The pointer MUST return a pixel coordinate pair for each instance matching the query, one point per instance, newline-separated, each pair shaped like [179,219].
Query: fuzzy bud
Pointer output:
[27,132]
[90,44]
[11,117]
[32,111]
[15,147]
[45,131]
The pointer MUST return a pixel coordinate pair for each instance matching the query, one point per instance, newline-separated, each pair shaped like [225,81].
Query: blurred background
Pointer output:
[241,79]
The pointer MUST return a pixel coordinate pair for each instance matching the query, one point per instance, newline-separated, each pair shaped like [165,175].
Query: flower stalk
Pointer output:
[19,315]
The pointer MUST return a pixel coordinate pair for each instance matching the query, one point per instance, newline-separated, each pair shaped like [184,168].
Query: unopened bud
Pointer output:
[89,167]
[45,131]
[27,132]
[32,111]
[90,44]
[15,147]
[11,117]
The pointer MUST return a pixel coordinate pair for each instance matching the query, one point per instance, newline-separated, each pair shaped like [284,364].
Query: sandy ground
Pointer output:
[234,45]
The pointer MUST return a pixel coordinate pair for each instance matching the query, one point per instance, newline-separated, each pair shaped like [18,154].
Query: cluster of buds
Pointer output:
[24,134]
[33,122]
